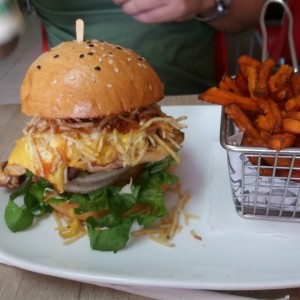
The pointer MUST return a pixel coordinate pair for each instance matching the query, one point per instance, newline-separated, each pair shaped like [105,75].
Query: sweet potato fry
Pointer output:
[264,72]
[275,113]
[245,61]
[292,115]
[252,73]
[243,122]
[264,168]
[267,168]
[291,125]
[293,104]
[223,86]
[282,140]
[241,83]
[279,78]
[282,95]
[283,162]
[285,173]
[271,121]
[267,163]
[249,68]
[295,83]
[297,142]
[230,84]
[221,97]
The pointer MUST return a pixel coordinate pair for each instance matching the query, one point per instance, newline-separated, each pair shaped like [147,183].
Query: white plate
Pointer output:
[255,257]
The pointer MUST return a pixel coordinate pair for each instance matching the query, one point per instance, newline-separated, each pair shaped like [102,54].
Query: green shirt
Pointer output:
[181,53]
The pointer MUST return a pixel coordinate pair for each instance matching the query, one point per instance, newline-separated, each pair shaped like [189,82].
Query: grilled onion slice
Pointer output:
[87,183]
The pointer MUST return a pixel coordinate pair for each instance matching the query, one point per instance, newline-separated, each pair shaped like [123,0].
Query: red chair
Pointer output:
[45,46]
[221,56]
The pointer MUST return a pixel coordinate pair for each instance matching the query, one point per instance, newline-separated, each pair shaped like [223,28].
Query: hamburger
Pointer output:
[98,147]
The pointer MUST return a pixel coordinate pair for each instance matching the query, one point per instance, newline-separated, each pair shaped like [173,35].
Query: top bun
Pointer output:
[87,80]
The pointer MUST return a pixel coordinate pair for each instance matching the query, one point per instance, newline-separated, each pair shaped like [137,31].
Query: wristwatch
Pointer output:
[221,9]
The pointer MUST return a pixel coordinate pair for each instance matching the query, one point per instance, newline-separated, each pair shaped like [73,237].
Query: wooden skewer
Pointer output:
[79,30]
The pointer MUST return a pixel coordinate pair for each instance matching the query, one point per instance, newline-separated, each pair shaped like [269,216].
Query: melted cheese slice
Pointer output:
[23,154]
[49,155]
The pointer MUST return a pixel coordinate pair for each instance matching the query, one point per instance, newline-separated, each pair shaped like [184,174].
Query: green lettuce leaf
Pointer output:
[17,218]
[111,239]
[110,232]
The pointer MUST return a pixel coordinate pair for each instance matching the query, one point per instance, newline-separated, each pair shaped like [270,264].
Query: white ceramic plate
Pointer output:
[234,253]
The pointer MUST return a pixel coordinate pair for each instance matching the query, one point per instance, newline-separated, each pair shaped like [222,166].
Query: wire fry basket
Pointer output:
[265,183]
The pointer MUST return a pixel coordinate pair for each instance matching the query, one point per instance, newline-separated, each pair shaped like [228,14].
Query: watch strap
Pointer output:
[221,9]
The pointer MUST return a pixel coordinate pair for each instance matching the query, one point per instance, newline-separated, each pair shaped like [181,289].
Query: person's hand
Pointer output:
[159,11]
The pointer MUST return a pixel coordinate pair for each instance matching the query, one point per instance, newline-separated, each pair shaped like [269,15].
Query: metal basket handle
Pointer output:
[290,32]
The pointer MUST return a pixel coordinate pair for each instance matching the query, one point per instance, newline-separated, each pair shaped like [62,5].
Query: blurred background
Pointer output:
[230,47]
[14,67]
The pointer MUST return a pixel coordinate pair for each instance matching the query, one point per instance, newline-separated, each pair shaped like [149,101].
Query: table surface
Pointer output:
[20,284]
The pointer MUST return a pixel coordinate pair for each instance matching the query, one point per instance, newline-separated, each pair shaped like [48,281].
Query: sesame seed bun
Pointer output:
[87,80]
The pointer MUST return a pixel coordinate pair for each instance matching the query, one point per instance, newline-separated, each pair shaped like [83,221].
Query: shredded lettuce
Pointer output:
[110,232]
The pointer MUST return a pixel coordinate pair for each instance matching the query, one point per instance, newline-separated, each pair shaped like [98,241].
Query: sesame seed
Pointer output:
[54,81]
[140,65]
[116,70]
[81,56]
[94,78]
[91,45]
[109,85]
[110,61]
[119,48]
[97,68]
[150,87]
[71,77]
[90,53]
[104,55]
[56,56]
[129,59]
[39,67]
[100,59]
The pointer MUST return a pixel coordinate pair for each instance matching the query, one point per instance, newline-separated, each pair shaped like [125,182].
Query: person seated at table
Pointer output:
[175,36]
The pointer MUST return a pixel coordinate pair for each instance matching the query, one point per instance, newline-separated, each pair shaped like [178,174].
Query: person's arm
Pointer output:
[242,14]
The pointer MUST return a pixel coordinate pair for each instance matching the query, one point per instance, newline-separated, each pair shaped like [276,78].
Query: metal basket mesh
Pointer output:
[261,190]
